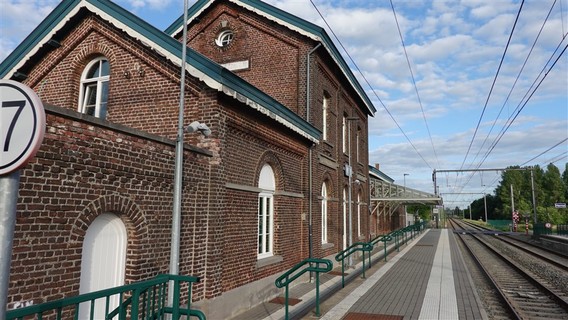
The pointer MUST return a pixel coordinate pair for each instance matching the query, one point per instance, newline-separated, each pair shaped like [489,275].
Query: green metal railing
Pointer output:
[562,229]
[384,238]
[341,256]
[313,265]
[141,300]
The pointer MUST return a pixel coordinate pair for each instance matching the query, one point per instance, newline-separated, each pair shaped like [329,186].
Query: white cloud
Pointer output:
[154,4]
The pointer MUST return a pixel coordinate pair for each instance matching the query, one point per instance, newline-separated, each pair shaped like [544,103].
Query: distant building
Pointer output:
[267,189]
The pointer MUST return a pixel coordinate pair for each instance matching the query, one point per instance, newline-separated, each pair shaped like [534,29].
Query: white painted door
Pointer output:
[103,261]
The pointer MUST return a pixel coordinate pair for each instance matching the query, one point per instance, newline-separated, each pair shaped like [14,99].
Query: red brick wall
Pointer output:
[273,51]
[147,102]
[278,58]
[87,167]
[81,171]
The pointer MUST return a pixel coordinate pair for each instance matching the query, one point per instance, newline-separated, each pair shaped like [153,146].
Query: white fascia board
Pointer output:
[232,93]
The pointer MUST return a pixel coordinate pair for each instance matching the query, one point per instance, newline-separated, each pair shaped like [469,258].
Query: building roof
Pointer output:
[290,21]
[199,66]
[378,174]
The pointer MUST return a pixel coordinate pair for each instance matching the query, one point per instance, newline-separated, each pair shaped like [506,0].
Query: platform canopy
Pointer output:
[390,196]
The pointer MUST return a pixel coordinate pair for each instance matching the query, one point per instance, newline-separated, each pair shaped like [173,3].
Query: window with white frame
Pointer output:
[325,109]
[94,88]
[267,185]
[345,225]
[344,132]
[357,145]
[224,38]
[359,214]
[324,213]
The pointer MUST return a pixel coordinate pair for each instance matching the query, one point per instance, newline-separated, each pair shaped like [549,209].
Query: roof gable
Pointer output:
[290,21]
[211,73]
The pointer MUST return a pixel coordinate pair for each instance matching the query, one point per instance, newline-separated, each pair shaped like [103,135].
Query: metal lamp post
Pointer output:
[178,171]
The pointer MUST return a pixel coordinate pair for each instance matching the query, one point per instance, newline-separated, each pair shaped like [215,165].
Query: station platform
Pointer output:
[425,278]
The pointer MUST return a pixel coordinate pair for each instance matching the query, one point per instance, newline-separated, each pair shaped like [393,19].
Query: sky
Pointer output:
[453,89]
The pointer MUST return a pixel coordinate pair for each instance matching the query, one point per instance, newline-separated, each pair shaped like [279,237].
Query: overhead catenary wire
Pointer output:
[528,95]
[493,84]
[368,83]
[544,152]
[515,82]
[414,83]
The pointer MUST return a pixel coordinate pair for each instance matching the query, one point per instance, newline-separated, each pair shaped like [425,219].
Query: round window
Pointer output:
[224,38]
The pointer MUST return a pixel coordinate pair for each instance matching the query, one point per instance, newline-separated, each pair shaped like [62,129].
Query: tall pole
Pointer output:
[512,209]
[176,214]
[485,204]
[9,186]
[533,196]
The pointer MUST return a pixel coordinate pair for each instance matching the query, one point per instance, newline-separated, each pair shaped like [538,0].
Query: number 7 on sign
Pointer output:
[11,104]
[22,125]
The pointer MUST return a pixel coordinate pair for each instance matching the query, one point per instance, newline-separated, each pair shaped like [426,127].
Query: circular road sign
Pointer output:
[22,125]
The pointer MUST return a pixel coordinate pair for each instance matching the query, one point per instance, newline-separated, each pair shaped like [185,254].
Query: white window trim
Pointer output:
[268,244]
[359,214]
[267,184]
[344,132]
[345,226]
[224,38]
[324,116]
[86,83]
[324,239]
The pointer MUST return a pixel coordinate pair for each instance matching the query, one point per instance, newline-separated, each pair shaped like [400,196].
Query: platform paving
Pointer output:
[426,279]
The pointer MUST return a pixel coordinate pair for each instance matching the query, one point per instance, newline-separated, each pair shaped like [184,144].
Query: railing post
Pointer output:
[135,301]
[343,273]
[364,263]
[317,294]
[175,311]
[286,302]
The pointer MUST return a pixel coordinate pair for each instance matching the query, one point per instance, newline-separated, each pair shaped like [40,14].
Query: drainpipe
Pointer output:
[310,173]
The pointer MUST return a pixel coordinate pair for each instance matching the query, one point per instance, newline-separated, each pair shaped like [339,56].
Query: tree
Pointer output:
[553,187]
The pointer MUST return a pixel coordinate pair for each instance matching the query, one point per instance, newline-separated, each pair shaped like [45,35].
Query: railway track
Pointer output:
[552,257]
[524,294]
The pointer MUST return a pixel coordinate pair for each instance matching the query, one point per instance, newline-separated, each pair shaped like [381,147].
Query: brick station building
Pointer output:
[267,189]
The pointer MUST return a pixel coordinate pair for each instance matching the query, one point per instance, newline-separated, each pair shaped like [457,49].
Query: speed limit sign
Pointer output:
[22,125]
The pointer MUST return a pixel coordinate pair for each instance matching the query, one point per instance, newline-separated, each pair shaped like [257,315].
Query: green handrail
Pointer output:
[357,246]
[314,265]
[146,300]
[384,238]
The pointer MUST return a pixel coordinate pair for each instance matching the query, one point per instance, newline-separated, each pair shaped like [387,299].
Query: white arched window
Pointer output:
[345,218]
[324,213]
[267,185]
[94,88]
[359,214]
[344,133]
[325,109]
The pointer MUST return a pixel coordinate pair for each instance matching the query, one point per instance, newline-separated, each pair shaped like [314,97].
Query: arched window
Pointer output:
[224,38]
[324,213]
[359,214]
[345,230]
[267,185]
[344,133]
[325,109]
[94,88]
